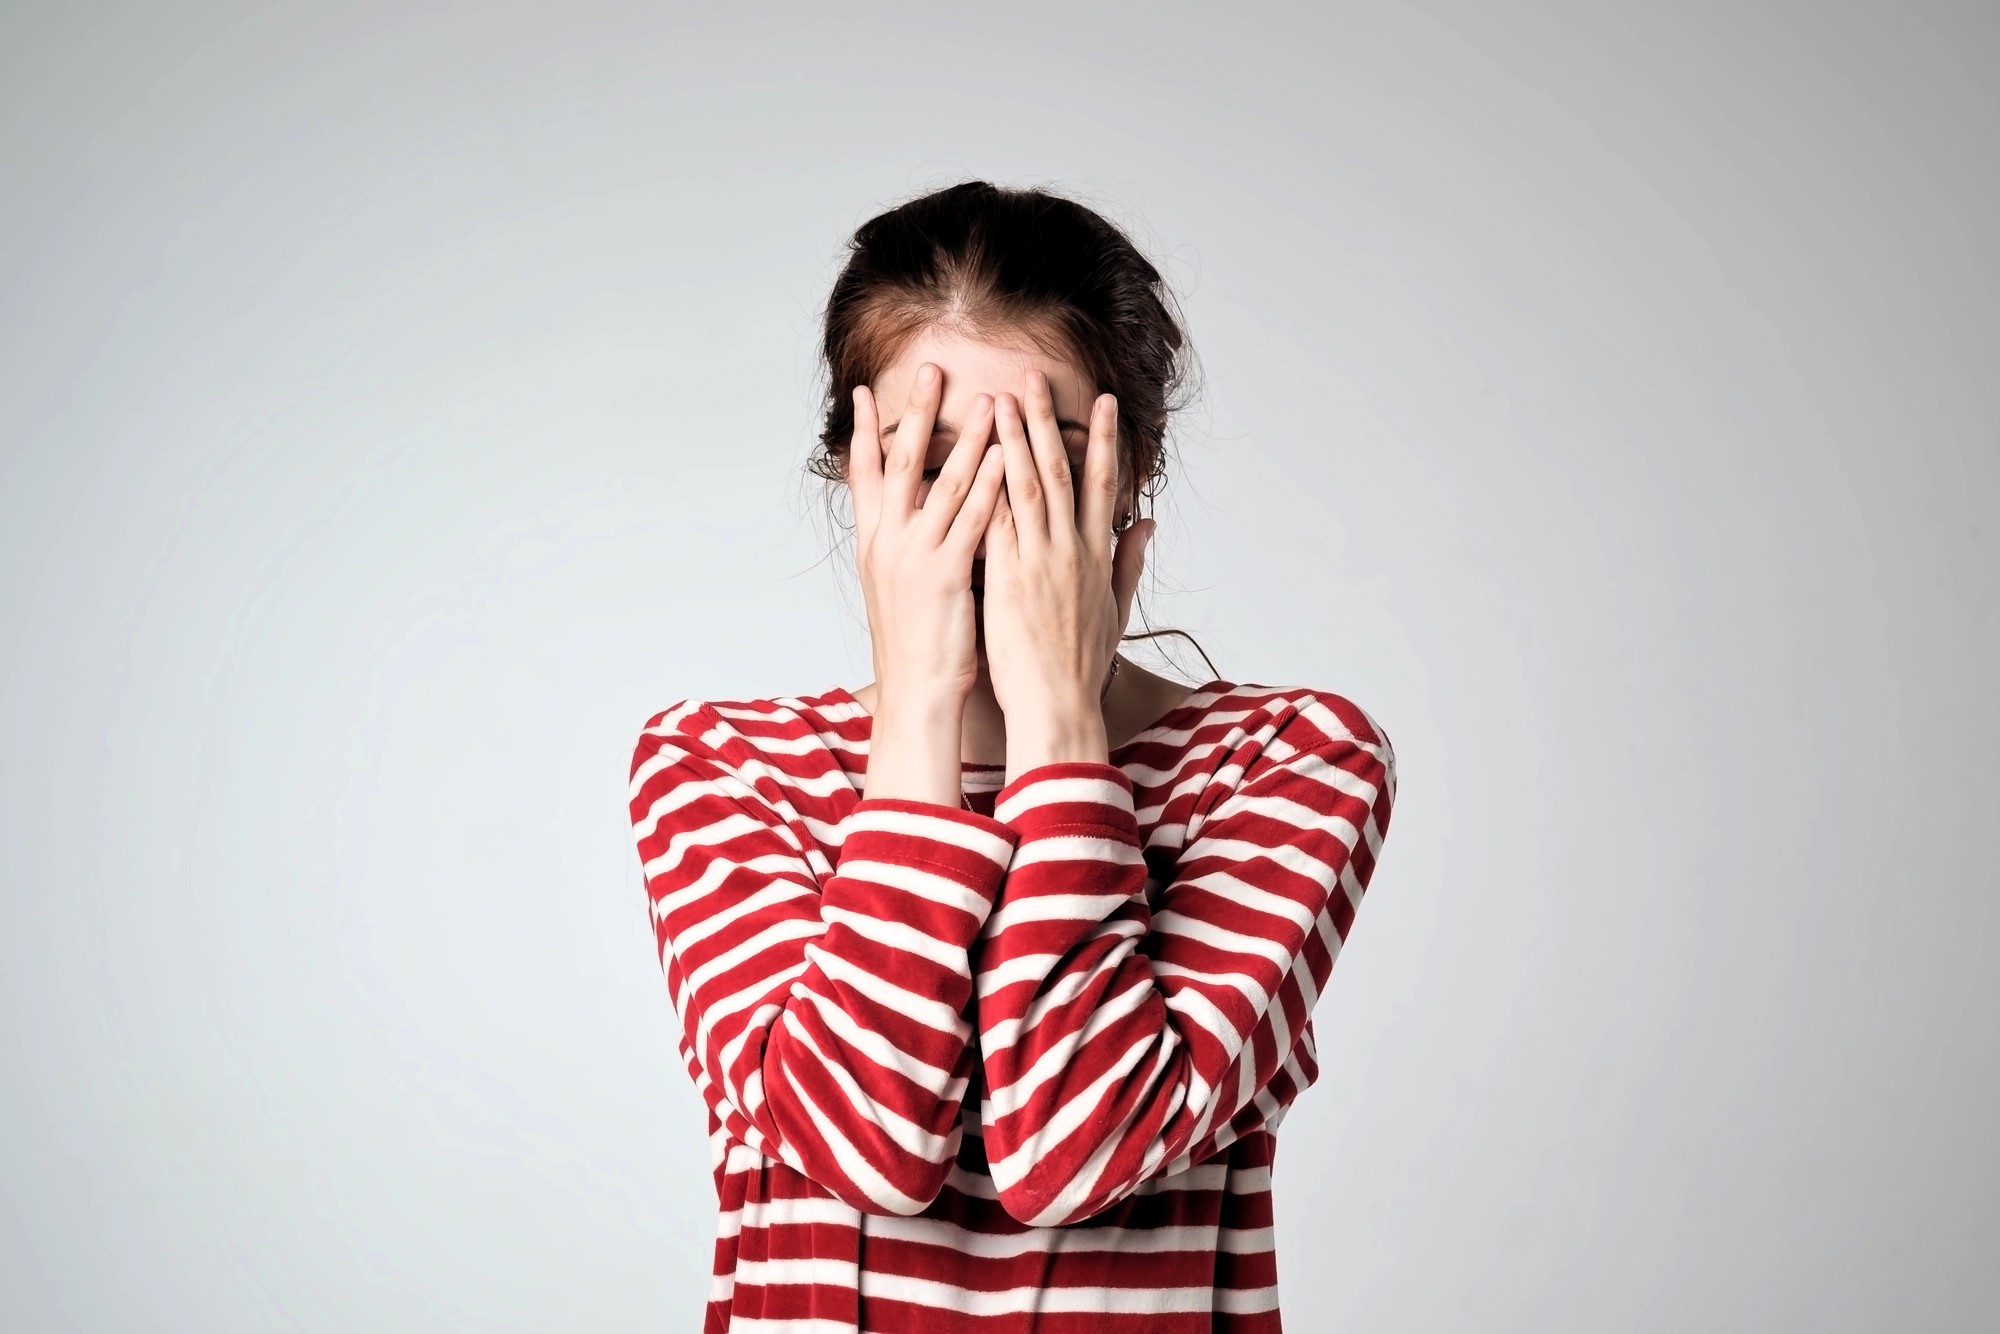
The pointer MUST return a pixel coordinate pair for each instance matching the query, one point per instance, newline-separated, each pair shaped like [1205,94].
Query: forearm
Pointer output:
[825,1021]
[1116,1024]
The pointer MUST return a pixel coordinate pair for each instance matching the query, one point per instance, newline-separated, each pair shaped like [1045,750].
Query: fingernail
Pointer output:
[926,374]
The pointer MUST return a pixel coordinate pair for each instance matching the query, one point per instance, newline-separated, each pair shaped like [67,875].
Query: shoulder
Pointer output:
[730,733]
[1273,729]
[1296,717]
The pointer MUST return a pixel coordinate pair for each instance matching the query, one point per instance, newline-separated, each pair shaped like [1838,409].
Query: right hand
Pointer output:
[915,554]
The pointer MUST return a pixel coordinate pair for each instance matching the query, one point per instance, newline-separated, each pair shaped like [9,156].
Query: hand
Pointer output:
[1057,593]
[915,561]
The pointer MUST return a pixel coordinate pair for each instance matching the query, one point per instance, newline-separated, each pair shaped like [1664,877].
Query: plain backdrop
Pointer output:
[401,403]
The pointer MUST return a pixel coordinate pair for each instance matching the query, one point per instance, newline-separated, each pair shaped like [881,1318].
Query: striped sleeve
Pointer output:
[1121,1040]
[824,1023]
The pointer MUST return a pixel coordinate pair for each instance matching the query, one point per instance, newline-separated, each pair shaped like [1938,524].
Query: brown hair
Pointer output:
[997,262]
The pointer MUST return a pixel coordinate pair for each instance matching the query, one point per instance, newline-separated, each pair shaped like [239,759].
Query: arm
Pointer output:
[1120,1042]
[823,1022]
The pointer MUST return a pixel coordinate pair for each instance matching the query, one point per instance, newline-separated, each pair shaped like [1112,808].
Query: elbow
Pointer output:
[1046,1200]
[913,1193]
[909,1190]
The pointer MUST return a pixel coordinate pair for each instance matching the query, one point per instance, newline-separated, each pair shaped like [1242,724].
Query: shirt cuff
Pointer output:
[1089,795]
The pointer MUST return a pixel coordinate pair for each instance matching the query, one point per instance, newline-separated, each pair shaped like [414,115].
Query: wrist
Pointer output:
[913,749]
[1073,734]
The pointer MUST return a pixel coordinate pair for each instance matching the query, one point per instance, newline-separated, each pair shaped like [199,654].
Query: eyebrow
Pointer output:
[943,427]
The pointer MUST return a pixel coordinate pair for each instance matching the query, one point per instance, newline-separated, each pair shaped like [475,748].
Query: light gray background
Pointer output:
[400,404]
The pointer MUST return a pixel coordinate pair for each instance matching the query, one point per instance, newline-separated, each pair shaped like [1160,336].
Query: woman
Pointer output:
[995,973]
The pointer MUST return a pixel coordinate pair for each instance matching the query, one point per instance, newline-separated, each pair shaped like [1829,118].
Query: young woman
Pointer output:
[996,972]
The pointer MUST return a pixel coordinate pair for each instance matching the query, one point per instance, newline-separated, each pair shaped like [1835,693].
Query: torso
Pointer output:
[1190,1249]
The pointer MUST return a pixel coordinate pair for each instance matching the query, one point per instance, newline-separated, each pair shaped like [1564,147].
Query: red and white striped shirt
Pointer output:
[1014,1068]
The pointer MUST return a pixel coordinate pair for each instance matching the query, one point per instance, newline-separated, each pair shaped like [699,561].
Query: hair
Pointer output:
[1004,263]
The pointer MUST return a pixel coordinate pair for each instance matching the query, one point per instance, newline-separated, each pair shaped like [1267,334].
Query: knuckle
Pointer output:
[947,491]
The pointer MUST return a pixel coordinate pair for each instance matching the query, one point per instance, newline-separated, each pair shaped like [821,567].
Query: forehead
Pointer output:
[973,366]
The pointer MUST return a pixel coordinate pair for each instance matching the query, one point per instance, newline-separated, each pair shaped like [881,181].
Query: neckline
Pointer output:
[841,694]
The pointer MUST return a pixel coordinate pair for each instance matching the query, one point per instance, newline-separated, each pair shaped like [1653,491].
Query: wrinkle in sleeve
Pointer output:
[1119,1041]
[823,1023]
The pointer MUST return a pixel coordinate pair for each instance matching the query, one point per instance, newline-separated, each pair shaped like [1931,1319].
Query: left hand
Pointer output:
[1057,592]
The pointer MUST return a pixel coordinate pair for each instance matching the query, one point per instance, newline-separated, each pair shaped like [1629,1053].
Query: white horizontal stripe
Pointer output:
[1052,790]
[1020,968]
[1175,922]
[1236,982]
[804,1269]
[806,1209]
[910,1137]
[1000,1034]
[676,795]
[1243,1301]
[1033,1297]
[772,936]
[775,865]
[731,788]
[718,1010]
[926,1010]
[1092,850]
[1207,1176]
[751,768]
[756,1026]
[774,895]
[1249,1181]
[1006,1099]
[872,1185]
[877,1047]
[924,881]
[1073,1239]
[1054,908]
[1087,1184]
[1011,1169]
[943,828]
[1194,1007]
[977,1185]
[1246,1240]
[1231,882]
[717,832]
[902,936]
[670,717]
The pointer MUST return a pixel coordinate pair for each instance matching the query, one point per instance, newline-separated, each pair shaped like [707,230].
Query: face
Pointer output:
[972,368]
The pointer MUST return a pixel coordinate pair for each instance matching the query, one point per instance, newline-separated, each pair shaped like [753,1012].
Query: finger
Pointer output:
[1095,507]
[947,493]
[1045,438]
[975,516]
[864,463]
[1024,479]
[903,464]
[1003,542]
